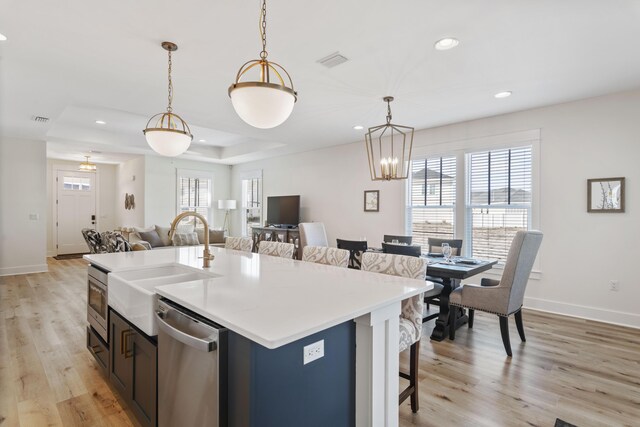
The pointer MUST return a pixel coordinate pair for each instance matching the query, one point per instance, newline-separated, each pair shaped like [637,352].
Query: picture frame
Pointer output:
[605,195]
[372,200]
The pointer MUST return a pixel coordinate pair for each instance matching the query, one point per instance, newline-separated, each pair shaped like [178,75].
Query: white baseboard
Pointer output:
[631,320]
[51,253]
[23,269]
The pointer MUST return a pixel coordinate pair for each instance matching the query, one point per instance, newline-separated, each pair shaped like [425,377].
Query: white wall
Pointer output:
[161,191]
[23,233]
[106,184]
[130,180]
[581,252]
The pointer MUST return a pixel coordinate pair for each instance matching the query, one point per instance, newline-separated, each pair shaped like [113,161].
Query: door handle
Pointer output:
[124,338]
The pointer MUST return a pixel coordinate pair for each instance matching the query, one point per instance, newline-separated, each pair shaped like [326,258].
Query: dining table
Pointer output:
[451,274]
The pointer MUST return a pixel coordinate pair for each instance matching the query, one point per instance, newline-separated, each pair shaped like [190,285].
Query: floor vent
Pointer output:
[333,60]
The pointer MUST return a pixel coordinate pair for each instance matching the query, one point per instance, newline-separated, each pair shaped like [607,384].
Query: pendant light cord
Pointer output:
[263,29]
[170,86]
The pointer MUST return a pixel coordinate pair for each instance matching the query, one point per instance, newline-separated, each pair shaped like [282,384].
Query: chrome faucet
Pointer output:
[206,255]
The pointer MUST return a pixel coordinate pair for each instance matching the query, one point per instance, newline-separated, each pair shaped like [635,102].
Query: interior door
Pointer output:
[76,208]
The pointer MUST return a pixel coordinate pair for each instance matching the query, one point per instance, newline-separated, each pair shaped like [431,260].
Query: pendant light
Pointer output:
[266,102]
[167,133]
[87,166]
[389,149]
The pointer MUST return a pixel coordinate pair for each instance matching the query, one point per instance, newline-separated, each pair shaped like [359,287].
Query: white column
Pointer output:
[377,367]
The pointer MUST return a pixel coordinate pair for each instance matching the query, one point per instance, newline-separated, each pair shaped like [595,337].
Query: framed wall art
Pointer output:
[372,200]
[605,195]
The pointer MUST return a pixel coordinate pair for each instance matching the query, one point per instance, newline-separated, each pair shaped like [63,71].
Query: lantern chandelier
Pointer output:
[267,102]
[166,133]
[389,149]
[87,166]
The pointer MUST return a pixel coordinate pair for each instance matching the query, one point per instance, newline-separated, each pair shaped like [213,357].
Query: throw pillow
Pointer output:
[163,232]
[185,228]
[215,236]
[152,237]
[185,239]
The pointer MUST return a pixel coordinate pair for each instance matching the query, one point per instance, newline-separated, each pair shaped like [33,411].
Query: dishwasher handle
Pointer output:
[207,344]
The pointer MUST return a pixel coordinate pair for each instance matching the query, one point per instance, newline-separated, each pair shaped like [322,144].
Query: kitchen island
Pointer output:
[276,303]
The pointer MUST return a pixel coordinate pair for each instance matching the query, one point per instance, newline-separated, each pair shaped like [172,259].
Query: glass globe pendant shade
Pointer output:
[262,105]
[170,135]
[167,143]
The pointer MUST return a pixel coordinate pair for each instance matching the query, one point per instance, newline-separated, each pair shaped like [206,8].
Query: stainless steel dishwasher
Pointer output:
[192,369]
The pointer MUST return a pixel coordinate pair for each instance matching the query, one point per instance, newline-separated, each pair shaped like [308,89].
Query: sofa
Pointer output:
[157,237]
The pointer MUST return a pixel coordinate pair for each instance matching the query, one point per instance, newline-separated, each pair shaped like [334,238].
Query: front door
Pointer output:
[76,207]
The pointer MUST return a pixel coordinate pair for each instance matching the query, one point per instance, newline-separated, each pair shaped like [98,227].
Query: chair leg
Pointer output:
[519,325]
[413,374]
[453,311]
[504,330]
[471,313]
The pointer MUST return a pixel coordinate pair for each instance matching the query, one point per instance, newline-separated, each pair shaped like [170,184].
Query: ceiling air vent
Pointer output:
[40,119]
[333,60]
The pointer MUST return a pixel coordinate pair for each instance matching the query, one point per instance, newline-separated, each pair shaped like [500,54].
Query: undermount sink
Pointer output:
[132,293]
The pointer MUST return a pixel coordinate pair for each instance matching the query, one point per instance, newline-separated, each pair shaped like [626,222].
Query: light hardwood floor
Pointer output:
[583,372]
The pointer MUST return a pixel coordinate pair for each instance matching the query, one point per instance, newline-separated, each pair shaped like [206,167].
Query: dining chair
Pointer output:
[388,238]
[279,249]
[244,244]
[411,313]
[324,255]
[434,245]
[409,250]
[505,296]
[356,248]
[313,234]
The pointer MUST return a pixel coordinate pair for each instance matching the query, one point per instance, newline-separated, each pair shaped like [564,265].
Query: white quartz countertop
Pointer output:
[272,301]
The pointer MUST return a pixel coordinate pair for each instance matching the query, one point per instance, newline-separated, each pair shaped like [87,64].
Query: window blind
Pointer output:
[499,200]
[432,195]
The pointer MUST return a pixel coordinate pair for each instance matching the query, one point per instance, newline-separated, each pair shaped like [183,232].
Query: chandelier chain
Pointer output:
[170,86]
[388,111]
[263,29]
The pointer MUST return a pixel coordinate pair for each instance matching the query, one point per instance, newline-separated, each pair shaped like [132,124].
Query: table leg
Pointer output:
[377,367]
[441,330]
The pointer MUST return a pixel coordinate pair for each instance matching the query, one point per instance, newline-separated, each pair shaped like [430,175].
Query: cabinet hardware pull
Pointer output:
[124,338]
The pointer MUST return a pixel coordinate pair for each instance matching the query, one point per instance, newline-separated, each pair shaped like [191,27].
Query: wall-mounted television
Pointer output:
[283,211]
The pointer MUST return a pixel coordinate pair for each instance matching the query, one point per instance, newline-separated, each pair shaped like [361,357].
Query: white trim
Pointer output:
[24,269]
[55,168]
[631,320]
[377,367]
[194,173]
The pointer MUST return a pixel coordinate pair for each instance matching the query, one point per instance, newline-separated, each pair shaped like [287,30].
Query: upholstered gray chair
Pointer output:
[327,256]
[313,234]
[282,250]
[411,315]
[502,297]
[244,244]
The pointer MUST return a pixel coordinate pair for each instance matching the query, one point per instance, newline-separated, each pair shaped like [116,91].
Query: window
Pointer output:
[194,194]
[499,199]
[76,183]
[432,188]
[251,202]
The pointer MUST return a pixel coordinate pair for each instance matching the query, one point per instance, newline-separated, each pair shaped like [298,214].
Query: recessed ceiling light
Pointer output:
[358,127]
[2,37]
[505,94]
[101,122]
[446,43]
[202,140]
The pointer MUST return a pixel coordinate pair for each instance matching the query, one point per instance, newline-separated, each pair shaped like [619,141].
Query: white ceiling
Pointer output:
[77,61]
